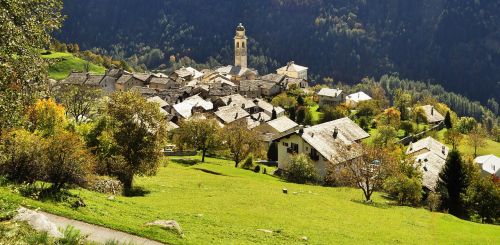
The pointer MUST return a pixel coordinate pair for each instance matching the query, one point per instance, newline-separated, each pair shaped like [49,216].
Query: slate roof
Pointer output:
[160,80]
[282,124]
[77,78]
[124,79]
[196,74]
[141,76]
[185,107]
[239,100]
[159,101]
[272,77]
[268,107]
[231,113]
[489,164]
[359,96]
[337,149]
[94,80]
[329,92]
[291,66]
[431,165]
[261,117]
[171,126]
[235,70]
[430,144]
[433,116]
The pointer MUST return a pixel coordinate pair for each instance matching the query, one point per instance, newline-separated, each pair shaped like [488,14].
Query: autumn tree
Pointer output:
[284,101]
[46,117]
[453,137]
[390,117]
[477,138]
[68,161]
[201,134]
[331,113]
[419,115]
[25,27]
[79,101]
[385,136]
[135,136]
[240,141]
[367,170]
[405,184]
[22,156]
[402,102]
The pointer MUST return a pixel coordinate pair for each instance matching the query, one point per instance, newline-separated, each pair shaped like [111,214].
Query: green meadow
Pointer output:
[63,63]
[216,203]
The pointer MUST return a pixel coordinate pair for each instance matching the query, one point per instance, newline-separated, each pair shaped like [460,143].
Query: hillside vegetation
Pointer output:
[62,64]
[218,204]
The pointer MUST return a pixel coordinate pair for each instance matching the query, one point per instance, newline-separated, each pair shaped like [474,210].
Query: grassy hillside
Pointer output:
[218,204]
[491,147]
[64,63]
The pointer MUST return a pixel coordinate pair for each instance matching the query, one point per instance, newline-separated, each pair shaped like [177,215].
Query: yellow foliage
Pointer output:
[46,117]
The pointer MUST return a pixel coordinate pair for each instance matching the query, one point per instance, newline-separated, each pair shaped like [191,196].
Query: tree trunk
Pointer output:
[203,155]
[235,164]
[127,182]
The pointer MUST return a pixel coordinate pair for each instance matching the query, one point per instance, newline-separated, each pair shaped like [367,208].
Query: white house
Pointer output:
[186,108]
[490,165]
[277,128]
[329,144]
[293,70]
[353,100]
[430,157]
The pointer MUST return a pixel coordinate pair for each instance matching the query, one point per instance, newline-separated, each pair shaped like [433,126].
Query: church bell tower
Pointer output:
[240,47]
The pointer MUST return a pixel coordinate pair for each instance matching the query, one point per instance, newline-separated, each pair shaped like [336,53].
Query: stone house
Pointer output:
[293,70]
[353,100]
[330,97]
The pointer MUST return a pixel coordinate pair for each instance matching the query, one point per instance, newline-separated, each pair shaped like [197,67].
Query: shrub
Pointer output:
[300,170]
[248,163]
[72,236]
[7,209]
[407,191]
[433,201]
[23,156]
[257,169]
[68,161]
[104,184]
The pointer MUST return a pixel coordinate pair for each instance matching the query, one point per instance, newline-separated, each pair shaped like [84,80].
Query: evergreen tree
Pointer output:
[292,113]
[300,100]
[274,115]
[452,185]
[301,115]
[447,120]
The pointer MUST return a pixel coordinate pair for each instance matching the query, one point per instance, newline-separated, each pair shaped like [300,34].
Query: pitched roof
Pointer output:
[239,100]
[275,78]
[283,124]
[159,101]
[257,83]
[123,79]
[489,164]
[185,107]
[94,80]
[329,92]
[291,66]
[77,78]
[196,74]
[141,76]
[160,80]
[431,165]
[358,97]
[433,116]
[261,116]
[183,72]
[430,144]
[235,70]
[231,113]
[268,107]
[339,147]
[171,126]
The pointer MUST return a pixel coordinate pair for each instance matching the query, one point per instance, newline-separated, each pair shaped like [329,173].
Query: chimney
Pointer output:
[236,116]
[432,110]
[335,133]
[301,131]
[443,150]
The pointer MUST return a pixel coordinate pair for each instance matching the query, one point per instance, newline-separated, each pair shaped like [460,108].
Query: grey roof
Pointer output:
[231,113]
[183,72]
[256,83]
[235,70]
[261,116]
[268,107]
[291,66]
[272,77]
[430,144]
[238,100]
[124,79]
[94,80]
[185,107]
[160,80]
[141,76]
[329,92]
[282,124]
[77,78]
[337,149]
[171,126]
[431,165]
[359,96]
[159,101]
[433,116]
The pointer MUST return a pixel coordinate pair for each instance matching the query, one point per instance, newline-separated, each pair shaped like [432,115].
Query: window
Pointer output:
[237,45]
[243,44]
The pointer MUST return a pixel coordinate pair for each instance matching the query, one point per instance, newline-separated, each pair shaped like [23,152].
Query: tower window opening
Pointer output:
[237,45]
[243,45]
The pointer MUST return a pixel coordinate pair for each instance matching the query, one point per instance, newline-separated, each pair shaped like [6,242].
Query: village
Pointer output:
[237,94]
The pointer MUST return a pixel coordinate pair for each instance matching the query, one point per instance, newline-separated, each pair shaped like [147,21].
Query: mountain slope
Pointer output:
[453,42]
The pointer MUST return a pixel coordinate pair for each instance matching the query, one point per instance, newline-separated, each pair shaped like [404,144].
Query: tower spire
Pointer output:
[240,47]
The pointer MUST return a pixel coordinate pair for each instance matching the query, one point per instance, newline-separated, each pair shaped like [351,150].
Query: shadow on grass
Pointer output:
[210,172]
[185,161]
[372,204]
[136,192]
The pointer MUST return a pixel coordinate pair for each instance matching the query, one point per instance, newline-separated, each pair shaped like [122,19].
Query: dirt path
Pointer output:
[98,233]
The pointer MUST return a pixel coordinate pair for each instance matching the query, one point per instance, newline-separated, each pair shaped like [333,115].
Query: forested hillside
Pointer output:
[452,42]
